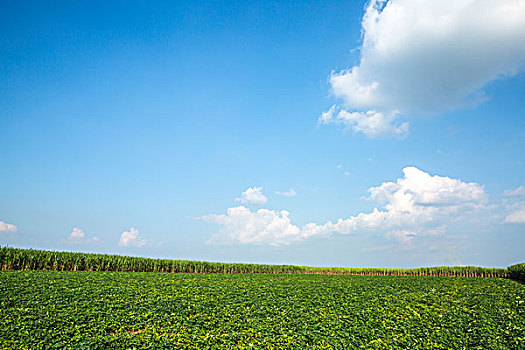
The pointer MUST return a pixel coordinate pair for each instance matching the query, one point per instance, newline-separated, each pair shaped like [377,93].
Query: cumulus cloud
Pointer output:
[427,56]
[242,225]
[418,203]
[5,227]
[77,235]
[421,193]
[515,206]
[252,196]
[290,193]
[131,238]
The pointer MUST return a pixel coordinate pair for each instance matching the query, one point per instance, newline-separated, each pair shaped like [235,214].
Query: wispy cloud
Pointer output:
[517,192]
[290,193]
[516,214]
[371,123]
[402,236]
[515,206]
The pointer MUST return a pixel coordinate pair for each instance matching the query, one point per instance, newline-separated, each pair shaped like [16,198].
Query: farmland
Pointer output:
[125,310]
[29,259]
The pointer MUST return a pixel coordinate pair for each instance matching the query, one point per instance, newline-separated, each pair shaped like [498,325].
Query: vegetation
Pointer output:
[28,259]
[517,272]
[119,310]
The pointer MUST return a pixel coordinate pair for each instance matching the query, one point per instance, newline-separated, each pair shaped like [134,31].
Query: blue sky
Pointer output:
[178,130]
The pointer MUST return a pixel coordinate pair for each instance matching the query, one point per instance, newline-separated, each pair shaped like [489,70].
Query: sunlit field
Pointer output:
[126,310]
[262,174]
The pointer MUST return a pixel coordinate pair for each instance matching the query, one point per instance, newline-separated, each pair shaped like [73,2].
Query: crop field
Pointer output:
[29,259]
[141,310]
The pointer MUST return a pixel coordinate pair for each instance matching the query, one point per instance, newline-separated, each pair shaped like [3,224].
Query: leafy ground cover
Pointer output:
[121,310]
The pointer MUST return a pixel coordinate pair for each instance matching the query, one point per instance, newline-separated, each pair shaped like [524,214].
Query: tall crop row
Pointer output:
[517,272]
[29,259]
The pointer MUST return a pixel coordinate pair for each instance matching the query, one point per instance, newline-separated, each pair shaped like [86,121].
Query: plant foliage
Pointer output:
[517,272]
[28,259]
[121,310]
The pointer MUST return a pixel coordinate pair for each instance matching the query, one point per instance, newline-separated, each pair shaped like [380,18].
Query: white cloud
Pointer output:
[402,236]
[372,124]
[290,193]
[515,206]
[5,227]
[427,56]
[418,203]
[262,226]
[516,215]
[421,193]
[517,192]
[252,196]
[77,235]
[131,238]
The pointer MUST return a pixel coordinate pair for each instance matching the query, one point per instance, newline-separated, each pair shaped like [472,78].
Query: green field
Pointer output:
[126,310]
[30,259]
